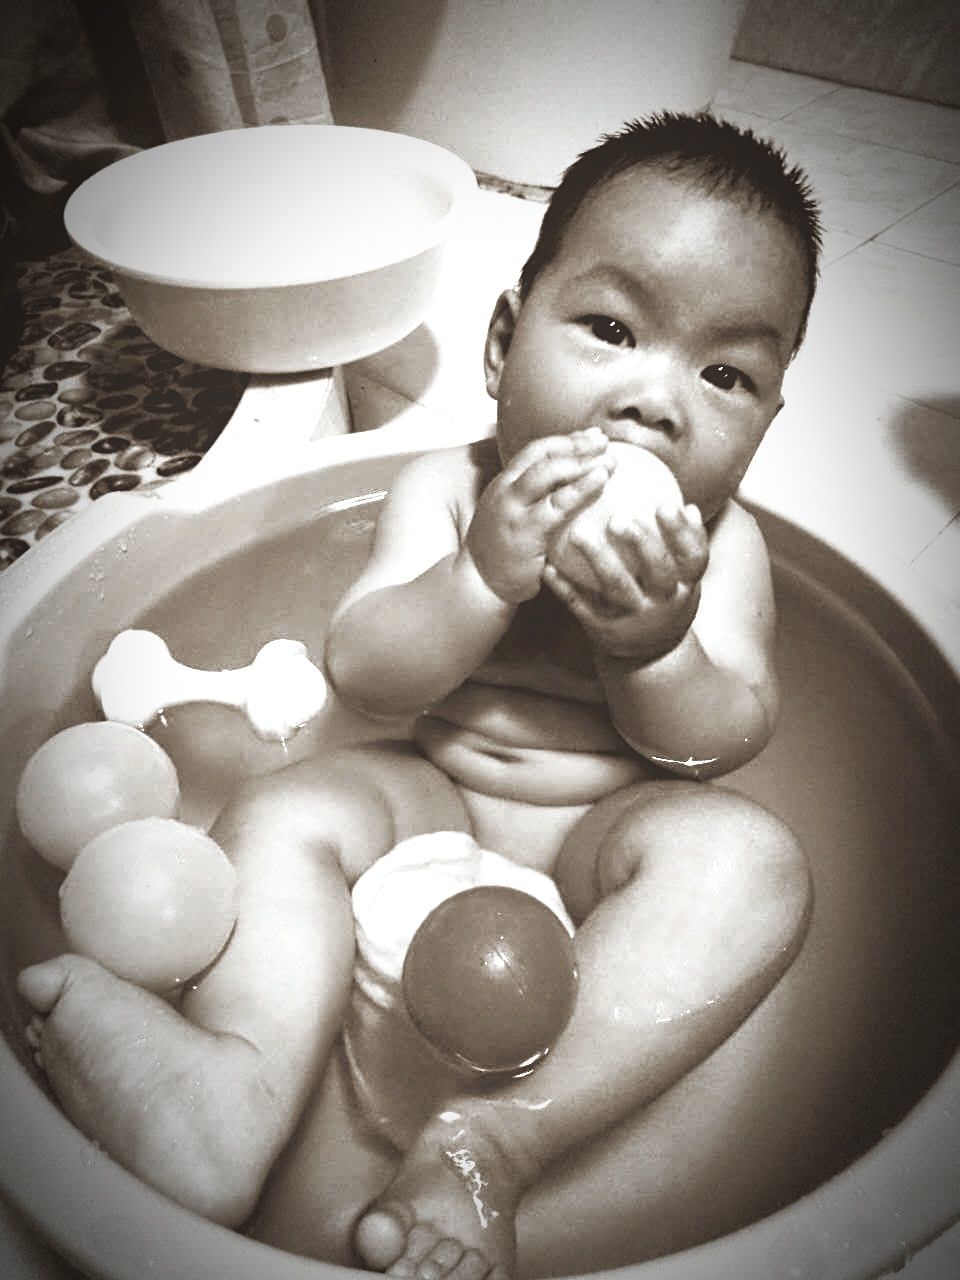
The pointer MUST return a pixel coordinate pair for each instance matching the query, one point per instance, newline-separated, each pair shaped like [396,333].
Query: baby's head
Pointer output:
[667,292]
[713,157]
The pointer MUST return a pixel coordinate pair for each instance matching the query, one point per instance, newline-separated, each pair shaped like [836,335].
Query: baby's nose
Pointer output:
[650,393]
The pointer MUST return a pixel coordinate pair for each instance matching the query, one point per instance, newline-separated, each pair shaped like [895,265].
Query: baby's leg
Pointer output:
[692,902]
[200,1104]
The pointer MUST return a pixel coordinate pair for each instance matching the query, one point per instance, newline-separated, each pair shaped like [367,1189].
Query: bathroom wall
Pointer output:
[517,89]
[907,47]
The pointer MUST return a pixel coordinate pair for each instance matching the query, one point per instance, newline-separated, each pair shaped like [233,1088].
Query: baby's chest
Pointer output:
[546,650]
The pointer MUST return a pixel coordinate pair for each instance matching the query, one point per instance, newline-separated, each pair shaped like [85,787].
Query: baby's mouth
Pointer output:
[627,433]
[631,433]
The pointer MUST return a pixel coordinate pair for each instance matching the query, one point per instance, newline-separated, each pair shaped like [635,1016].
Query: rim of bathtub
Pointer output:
[866,1220]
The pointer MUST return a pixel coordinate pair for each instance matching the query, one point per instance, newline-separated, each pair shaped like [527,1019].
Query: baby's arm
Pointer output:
[686,660]
[452,559]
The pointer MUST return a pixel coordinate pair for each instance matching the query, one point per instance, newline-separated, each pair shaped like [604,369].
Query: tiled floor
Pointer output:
[871,426]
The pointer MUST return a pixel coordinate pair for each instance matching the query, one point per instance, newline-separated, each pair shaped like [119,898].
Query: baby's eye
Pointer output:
[608,330]
[726,377]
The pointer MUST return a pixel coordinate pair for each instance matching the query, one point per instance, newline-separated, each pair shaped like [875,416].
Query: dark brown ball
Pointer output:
[490,978]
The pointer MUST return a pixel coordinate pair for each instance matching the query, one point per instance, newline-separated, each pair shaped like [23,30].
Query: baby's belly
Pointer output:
[529,747]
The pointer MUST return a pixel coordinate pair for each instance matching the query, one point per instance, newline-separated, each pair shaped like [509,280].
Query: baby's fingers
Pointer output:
[686,540]
[565,498]
[612,586]
[543,463]
[652,562]
[671,551]
[581,602]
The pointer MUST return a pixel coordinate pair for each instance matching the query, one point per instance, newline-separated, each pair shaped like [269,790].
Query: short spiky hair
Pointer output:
[714,155]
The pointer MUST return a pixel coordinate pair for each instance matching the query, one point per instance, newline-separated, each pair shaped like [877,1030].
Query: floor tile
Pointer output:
[766,91]
[933,231]
[441,363]
[373,405]
[922,128]
[886,318]
[863,187]
[939,566]
[837,244]
[886,466]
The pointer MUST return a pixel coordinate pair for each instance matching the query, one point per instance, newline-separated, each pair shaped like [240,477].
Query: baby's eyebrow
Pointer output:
[609,277]
[750,331]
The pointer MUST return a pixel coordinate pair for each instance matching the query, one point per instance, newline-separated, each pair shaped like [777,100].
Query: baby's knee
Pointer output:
[306,812]
[773,870]
[705,833]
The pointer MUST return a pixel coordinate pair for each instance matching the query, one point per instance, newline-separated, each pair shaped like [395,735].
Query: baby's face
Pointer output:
[667,318]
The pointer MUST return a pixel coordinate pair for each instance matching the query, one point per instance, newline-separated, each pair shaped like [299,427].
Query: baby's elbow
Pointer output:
[745,736]
[336,665]
[345,673]
[718,743]
[368,687]
[694,767]
[707,760]
[352,688]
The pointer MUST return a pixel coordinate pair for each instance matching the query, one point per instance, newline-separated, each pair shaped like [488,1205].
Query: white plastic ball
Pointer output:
[637,486]
[152,900]
[87,779]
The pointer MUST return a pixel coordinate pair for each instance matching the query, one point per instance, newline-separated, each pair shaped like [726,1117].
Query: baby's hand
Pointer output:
[539,488]
[644,583]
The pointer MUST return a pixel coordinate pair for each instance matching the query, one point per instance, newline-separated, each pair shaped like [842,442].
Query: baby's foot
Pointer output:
[449,1212]
[183,1109]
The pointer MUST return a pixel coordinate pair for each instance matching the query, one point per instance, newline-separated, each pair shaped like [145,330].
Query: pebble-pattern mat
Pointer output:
[89,405]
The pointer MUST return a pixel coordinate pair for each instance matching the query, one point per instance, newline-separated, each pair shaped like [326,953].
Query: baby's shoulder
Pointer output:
[735,527]
[739,559]
[458,473]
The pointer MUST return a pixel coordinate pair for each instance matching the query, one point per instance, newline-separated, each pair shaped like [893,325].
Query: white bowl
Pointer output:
[275,249]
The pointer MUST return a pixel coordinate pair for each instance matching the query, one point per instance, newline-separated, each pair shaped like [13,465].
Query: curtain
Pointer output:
[55,122]
[223,64]
[85,82]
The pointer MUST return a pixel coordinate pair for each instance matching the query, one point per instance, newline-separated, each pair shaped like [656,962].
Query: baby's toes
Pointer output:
[440,1261]
[33,1032]
[42,985]
[473,1265]
[422,1239]
[33,1035]
[380,1236]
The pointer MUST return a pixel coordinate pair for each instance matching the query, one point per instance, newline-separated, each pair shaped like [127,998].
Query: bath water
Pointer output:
[861,1025]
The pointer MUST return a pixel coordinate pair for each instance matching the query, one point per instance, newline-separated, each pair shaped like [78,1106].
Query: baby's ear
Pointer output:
[499,335]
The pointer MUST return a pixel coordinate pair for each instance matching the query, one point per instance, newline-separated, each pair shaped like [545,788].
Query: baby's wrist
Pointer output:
[619,662]
[490,590]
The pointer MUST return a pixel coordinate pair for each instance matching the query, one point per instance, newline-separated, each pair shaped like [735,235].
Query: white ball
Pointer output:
[152,900]
[638,485]
[88,778]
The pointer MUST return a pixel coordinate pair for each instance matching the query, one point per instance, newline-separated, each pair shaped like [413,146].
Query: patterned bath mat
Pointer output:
[89,405]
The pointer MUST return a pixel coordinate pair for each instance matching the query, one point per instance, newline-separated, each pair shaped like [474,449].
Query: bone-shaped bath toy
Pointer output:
[138,678]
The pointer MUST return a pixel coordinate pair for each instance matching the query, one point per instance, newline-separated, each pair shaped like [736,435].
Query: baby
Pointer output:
[580,691]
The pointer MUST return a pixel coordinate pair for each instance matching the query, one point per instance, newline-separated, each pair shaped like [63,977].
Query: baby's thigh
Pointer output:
[696,837]
[355,803]
[387,792]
